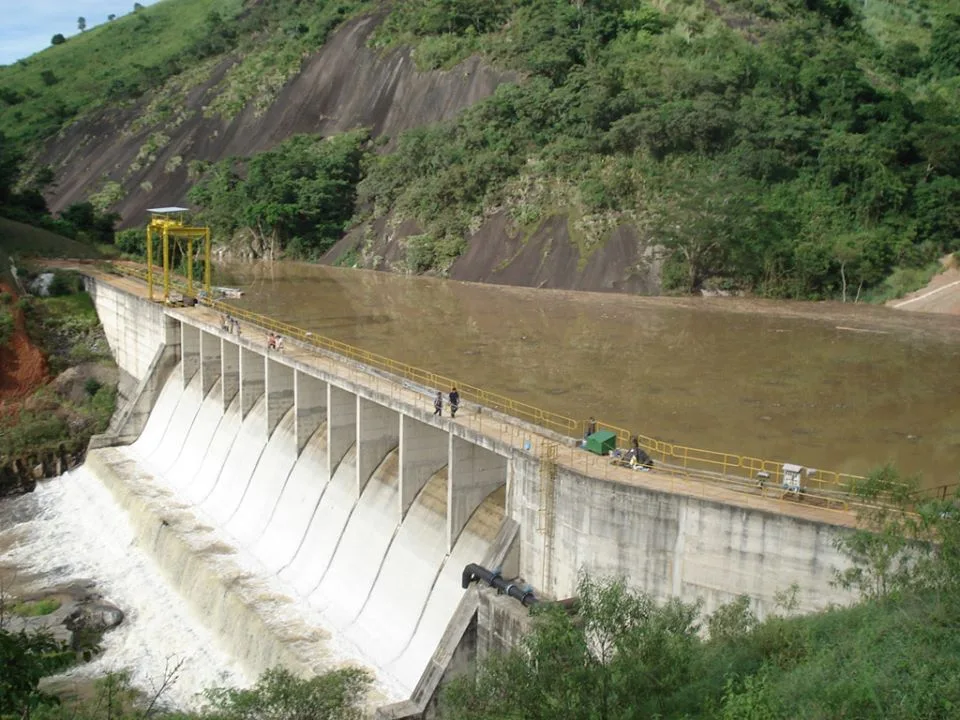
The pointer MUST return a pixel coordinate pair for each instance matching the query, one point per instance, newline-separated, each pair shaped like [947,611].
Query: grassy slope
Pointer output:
[26,240]
[88,64]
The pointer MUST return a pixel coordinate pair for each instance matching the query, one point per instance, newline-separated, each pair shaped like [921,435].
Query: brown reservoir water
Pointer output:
[825,385]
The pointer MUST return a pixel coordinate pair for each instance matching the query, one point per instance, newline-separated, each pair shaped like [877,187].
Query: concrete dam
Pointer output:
[314,513]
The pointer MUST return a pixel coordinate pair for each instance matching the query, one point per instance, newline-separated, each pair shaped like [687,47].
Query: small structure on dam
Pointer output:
[316,512]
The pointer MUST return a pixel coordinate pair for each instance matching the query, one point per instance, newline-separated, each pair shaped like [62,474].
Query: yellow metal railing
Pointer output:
[824,487]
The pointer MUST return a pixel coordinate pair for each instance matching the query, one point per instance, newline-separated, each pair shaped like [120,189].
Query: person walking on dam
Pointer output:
[438,404]
[454,402]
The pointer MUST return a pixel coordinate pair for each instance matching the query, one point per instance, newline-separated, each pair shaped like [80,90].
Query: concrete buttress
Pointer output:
[210,364]
[473,474]
[378,432]
[280,394]
[190,351]
[341,425]
[310,401]
[229,371]
[252,383]
[424,450]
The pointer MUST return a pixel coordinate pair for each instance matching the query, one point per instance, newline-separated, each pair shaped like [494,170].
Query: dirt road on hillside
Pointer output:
[941,295]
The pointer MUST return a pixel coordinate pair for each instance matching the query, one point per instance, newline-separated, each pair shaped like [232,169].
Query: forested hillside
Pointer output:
[798,148]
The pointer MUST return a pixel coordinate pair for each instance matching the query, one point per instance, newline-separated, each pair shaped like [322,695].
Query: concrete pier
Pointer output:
[424,450]
[310,401]
[211,365]
[341,425]
[229,371]
[252,379]
[280,393]
[378,432]
[474,473]
[190,349]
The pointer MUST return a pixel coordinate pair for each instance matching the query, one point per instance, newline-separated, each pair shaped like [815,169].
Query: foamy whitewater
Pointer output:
[80,532]
[370,588]
[382,590]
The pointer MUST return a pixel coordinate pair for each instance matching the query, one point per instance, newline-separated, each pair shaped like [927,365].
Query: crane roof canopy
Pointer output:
[168,210]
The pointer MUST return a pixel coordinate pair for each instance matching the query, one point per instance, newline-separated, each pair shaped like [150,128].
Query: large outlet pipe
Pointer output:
[474,572]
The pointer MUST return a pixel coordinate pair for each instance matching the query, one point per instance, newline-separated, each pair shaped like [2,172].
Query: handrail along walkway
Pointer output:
[832,489]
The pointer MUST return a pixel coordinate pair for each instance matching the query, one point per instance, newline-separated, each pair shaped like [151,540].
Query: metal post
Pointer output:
[150,262]
[206,260]
[166,265]
[190,264]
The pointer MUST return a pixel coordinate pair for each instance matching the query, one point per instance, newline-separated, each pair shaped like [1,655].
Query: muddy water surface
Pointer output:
[826,385]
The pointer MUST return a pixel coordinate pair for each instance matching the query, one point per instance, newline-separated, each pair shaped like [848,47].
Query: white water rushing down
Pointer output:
[79,531]
[366,586]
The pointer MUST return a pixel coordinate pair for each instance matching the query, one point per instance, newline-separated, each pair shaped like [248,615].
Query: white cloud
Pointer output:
[28,28]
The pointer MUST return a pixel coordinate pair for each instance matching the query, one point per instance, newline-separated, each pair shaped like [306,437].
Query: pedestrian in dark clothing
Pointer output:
[438,404]
[591,427]
[454,402]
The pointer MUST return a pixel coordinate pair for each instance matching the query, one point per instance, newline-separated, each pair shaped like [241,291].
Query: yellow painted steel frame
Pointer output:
[169,228]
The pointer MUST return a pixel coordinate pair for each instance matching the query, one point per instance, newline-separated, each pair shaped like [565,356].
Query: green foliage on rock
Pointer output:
[296,198]
[772,146]
[281,695]
[26,658]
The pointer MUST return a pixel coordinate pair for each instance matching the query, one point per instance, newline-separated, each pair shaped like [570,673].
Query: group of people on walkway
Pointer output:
[274,342]
[230,324]
[454,398]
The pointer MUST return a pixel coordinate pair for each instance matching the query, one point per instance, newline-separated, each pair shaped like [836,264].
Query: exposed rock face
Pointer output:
[498,253]
[82,617]
[343,86]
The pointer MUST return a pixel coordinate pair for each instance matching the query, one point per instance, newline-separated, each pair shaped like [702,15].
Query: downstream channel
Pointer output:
[840,387]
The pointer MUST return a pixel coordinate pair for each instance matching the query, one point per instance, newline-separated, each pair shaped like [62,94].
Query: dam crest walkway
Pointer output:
[551,448]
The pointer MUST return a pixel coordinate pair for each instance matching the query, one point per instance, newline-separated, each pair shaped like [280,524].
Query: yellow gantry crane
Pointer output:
[167,222]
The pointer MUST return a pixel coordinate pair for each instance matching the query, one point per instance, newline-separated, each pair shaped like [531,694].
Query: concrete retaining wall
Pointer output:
[671,545]
[135,328]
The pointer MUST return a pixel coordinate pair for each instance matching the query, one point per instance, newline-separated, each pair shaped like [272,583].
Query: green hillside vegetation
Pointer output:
[164,48]
[109,63]
[791,148]
[893,656]
[771,145]
[20,239]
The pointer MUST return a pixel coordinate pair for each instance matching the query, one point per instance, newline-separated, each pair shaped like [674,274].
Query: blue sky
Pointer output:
[26,26]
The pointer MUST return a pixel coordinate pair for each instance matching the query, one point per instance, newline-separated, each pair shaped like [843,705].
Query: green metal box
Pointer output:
[602,442]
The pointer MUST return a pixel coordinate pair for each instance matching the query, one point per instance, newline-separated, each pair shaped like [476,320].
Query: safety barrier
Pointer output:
[823,487]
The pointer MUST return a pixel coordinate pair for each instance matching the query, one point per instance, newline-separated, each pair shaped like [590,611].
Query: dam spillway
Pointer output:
[313,511]
[384,584]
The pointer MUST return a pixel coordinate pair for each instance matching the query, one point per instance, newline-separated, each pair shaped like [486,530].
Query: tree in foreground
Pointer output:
[281,695]
[894,655]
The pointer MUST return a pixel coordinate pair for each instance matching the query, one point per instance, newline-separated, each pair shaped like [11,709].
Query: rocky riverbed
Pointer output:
[69,549]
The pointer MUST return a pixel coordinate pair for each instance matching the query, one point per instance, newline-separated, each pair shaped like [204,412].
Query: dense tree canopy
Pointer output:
[827,166]
[621,656]
[298,196]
